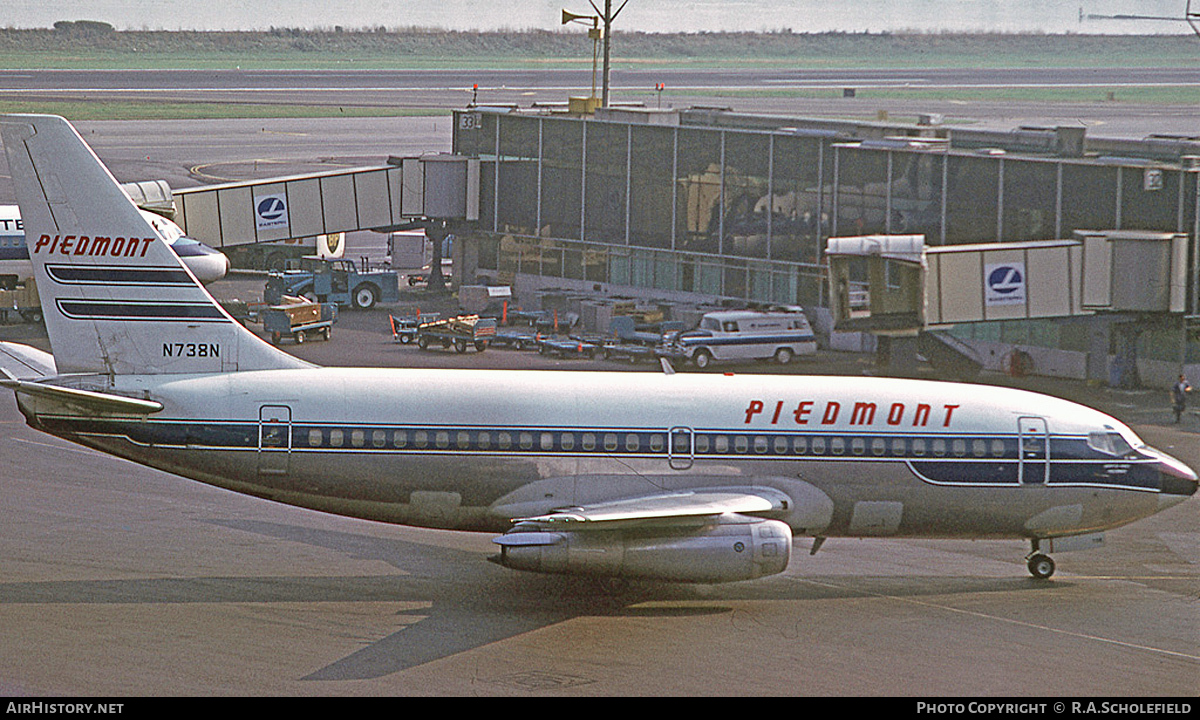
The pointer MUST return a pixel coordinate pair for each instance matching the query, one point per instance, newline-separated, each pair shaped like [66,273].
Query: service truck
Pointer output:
[743,335]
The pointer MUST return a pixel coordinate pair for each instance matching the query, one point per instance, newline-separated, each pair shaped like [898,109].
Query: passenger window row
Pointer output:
[656,443]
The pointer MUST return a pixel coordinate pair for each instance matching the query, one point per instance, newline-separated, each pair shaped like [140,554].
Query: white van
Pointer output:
[744,335]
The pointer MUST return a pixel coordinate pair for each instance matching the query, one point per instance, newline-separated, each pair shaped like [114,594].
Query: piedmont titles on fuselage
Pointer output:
[813,412]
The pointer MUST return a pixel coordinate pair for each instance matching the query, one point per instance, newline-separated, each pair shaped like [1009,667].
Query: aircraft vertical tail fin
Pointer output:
[115,297]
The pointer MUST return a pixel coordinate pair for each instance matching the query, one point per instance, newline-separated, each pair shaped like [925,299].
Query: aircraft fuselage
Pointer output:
[473,449]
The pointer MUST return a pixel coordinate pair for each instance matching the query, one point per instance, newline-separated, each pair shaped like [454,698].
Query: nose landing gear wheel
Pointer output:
[1041,566]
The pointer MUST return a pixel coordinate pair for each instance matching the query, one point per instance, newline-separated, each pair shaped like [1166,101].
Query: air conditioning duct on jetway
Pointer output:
[152,195]
[735,547]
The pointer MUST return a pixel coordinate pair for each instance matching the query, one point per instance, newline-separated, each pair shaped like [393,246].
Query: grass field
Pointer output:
[304,49]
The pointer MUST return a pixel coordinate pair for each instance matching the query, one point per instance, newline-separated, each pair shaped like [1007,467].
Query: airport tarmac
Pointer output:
[124,581]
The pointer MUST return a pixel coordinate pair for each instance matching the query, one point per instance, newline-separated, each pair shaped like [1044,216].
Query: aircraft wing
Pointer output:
[666,508]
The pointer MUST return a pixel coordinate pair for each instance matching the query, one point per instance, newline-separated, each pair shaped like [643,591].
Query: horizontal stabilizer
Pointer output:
[668,506]
[86,400]
[25,362]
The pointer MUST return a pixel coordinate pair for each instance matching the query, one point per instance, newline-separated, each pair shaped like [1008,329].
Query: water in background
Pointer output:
[1014,16]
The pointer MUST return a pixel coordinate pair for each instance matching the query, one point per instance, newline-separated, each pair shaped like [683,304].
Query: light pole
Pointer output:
[607,16]
[594,34]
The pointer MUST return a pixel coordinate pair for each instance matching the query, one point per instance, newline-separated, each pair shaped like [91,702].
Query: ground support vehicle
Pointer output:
[626,329]
[458,332]
[506,312]
[568,347]
[515,339]
[404,329]
[337,281]
[301,321]
[633,352]
[742,335]
[23,300]
[548,321]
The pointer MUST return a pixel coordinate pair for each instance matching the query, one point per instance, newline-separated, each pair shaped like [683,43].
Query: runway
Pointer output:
[772,89]
[122,581]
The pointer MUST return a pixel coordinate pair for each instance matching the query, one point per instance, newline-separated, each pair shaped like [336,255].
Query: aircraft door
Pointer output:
[1034,451]
[274,439]
[681,447]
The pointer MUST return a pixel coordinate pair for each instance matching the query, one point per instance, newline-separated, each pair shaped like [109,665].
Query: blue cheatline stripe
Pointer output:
[947,468]
[139,311]
[117,275]
[753,340]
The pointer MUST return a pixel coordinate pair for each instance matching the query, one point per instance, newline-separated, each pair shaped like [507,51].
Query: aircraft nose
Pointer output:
[1174,476]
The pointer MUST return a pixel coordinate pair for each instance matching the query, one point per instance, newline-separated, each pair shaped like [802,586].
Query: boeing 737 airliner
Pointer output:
[696,478]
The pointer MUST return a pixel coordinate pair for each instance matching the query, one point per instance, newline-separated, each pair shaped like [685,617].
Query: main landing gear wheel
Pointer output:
[1041,566]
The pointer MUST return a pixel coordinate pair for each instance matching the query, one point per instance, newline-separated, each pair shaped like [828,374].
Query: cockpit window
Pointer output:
[1110,443]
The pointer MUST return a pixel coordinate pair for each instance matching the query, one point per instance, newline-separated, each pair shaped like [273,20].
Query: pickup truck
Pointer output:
[336,281]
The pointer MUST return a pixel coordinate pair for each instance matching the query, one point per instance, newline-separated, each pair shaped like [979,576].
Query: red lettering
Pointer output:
[921,417]
[81,245]
[864,414]
[778,407]
[802,410]
[41,243]
[54,244]
[100,245]
[67,242]
[831,413]
[949,411]
[146,245]
[896,414]
[118,245]
[755,408]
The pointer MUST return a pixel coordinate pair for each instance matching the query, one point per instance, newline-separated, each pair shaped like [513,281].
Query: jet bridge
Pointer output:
[399,195]
[895,283]
[899,289]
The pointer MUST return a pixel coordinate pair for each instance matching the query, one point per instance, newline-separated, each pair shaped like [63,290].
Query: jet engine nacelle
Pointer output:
[734,548]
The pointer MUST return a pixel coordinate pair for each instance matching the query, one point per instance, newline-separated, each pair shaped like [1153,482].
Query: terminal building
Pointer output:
[1040,250]
[713,203]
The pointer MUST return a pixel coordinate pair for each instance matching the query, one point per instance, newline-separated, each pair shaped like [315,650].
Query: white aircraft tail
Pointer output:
[115,297]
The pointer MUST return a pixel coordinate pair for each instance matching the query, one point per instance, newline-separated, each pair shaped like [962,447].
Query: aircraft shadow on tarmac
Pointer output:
[473,603]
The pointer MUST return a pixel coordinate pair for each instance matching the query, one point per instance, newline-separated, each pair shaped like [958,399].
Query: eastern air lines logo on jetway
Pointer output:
[270,211]
[1004,284]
